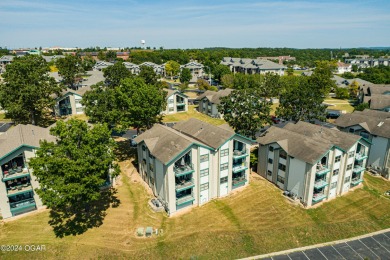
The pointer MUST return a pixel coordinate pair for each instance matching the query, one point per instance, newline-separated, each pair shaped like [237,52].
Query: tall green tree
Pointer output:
[69,67]
[341,93]
[321,79]
[110,56]
[219,71]
[71,173]
[115,73]
[27,91]
[301,101]
[245,111]
[185,75]
[131,104]
[148,74]
[172,68]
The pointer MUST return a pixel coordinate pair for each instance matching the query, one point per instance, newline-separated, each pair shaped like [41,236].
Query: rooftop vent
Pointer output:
[380,124]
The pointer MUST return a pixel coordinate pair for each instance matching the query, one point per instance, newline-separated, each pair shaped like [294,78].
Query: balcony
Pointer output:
[23,205]
[239,167]
[19,189]
[318,197]
[320,184]
[180,103]
[183,170]
[322,170]
[356,181]
[238,154]
[184,199]
[184,185]
[358,169]
[239,181]
[14,174]
[360,157]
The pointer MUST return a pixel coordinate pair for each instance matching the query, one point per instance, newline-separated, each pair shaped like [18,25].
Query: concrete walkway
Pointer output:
[375,245]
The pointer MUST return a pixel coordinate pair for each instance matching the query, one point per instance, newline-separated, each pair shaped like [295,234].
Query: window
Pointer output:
[281,179]
[224,166]
[282,167]
[347,179]
[351,154]
[271,149]
[335,172]
[79,109]
[351,130]
[283,155]
[270,161]
[337,159]
[171,109]
[204,158]
[204,172]
[204,186]
[170,101]
[333,185]
[269,173]
[224,152]
[349,167]
[151,156]
[143,148]
[151,180]
[151,167]
[224,179]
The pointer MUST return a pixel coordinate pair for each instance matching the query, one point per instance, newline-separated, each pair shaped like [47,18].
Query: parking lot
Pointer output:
[371,247]
[4,127]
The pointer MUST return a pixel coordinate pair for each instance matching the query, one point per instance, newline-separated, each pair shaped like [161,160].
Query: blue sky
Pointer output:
[194,24]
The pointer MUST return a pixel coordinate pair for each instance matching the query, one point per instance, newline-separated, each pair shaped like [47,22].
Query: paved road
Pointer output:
[4,126]
[371,247]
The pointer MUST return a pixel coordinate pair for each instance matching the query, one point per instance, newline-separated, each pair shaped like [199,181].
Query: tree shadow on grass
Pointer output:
[77,220]
[124,151]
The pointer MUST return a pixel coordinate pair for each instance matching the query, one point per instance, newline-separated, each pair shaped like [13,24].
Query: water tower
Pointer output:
[143,43]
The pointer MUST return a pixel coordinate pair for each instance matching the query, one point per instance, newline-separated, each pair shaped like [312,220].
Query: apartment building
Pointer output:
[176,102]
[376,95]
[312,162]
[192,163]
[253,66]
[374,126]
[17,146]
[209,101]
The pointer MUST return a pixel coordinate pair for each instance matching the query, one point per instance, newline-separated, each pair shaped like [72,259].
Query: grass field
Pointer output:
[255,220]
[339,104]
[193,113]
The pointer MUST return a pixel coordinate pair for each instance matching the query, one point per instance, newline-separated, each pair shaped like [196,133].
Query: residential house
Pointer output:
[17,146]
[176,102]
[280,59]
[375,127]
[192,163]
[133,68]
[312,162]
[158,69]
[53,58]
[100,65]
[376,95]
[4,61]
[253,66]
[209,101]
[366,62]
[344,83]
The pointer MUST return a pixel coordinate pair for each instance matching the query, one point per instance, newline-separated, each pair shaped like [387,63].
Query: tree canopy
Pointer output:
[301,100]
[115,73]
[131,104]
[69,67]
[27,91]
[185,75]
[245,111]
[219,71]
[172,68]
[72,171]
[148,74]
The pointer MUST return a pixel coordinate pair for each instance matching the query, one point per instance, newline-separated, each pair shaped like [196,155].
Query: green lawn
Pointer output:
[2,118]
[193,113]
[253,221]
[340,104]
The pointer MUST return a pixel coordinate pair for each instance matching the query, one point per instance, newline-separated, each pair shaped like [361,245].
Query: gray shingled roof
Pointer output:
[23,135]
[370,120]
[326,135]
[164,142]
[379,101]
[215,97]
[307,142]
[208,134]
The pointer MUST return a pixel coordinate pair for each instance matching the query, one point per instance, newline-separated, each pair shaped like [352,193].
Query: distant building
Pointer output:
[4,61]
[280,59]
[192,163]
[195,68]
[253,66]
[367,62]
[376,95]
[209,101]
[176,102]
[375,127]
[312,162]
[343,67]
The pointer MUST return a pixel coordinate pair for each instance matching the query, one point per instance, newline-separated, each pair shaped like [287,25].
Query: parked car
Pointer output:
[276,120]
[332,115]
[133,143]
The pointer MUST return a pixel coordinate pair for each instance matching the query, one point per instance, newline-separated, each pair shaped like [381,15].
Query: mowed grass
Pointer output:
[339,104]
[192,113]
[255,220]
[2,118]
